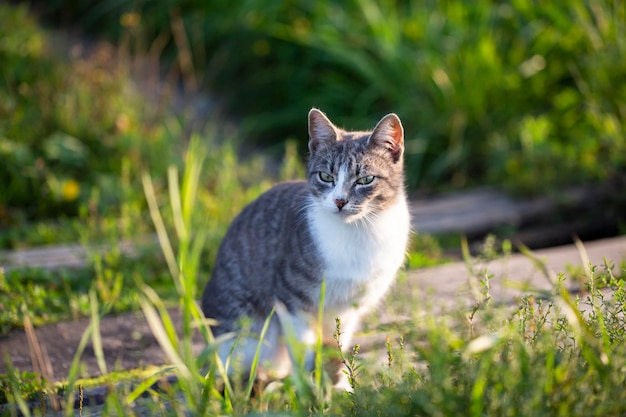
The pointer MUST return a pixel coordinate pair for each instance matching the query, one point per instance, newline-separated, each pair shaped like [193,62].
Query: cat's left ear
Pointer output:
[390,134]
[321,130]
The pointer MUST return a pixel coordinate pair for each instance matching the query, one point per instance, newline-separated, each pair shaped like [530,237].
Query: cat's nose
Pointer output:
[340,202]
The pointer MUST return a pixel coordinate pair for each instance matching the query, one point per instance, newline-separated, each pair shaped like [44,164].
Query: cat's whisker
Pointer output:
[370,222]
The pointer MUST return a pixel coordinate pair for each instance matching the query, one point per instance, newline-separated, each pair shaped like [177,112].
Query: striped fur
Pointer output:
[347,223]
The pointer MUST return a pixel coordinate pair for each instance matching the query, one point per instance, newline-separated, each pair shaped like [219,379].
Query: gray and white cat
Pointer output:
[348,223]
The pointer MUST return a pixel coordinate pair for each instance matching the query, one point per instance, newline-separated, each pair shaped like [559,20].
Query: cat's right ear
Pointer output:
[390,134]
[321,130]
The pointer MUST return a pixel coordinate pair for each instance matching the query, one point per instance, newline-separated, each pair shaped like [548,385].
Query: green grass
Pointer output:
[50,296]
[541,357]
[115,168]
[111,135]
[74,133]
[518,94]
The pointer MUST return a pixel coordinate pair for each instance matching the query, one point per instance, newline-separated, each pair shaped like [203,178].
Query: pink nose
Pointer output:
[340,202]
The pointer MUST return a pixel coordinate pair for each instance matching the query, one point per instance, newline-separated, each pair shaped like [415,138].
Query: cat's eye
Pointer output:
[326,177]
[365,180]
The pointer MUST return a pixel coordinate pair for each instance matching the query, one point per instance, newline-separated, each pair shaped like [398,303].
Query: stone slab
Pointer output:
[480,211]
[515,274]
[63,255]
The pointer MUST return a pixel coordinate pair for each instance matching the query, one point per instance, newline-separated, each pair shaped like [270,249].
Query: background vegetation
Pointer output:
[517,93]
[525,95]
[521,95]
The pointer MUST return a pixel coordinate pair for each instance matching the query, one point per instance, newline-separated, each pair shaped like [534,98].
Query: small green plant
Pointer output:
[351,363]
[28,384]
[424,250]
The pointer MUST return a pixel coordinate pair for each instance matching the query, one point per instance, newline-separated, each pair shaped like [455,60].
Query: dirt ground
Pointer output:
[127,342]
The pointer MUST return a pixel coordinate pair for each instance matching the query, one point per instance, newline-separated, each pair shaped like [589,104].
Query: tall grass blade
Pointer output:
[15,391]
[194,161]
[74,370]
[584,260]
[319,365]
[157,220]
[478,389]
[143,386]
[589,344]
[163,336]
[304,391]
[549,275]
[257,354]
[96,338]
[183,265]
[177,210]
[165,318]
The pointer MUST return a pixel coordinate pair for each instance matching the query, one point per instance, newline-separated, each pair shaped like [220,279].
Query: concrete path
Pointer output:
[128,342]
[517,274]
[64,255]
[482,210]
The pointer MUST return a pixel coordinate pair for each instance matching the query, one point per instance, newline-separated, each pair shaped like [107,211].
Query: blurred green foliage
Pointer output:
[524,95]
[529,95]
[64,125]
[74,135]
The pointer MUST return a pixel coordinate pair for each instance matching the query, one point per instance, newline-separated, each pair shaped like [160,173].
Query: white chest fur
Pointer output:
[361,258]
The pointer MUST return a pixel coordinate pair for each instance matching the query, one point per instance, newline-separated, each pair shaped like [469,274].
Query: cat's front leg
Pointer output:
[241,350]
[299,335]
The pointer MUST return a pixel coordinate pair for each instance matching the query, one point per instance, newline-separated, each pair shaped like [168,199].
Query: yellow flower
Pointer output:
[70,190]
[130,19]
[122,123]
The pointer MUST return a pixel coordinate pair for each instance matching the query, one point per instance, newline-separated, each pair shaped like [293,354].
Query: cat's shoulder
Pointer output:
[287,189]
[291,185]
[282,195]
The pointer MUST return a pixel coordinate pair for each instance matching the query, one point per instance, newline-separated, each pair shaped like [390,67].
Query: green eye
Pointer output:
[326,177]
[365,180]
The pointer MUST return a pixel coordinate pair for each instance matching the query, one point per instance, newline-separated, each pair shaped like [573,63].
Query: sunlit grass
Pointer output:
[558,355]
[555,355]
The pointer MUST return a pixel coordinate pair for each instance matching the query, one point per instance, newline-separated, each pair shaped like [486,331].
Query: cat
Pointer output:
[347,224]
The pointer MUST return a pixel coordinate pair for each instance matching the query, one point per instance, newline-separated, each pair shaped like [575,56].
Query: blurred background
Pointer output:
[198,106]
[526,96]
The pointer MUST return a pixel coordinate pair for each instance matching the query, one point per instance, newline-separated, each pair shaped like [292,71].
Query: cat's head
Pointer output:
[355,174]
